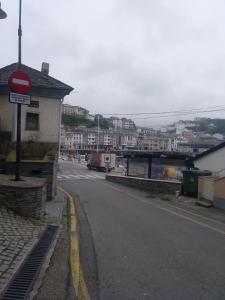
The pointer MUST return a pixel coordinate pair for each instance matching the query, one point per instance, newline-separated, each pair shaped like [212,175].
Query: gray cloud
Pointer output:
[125,56]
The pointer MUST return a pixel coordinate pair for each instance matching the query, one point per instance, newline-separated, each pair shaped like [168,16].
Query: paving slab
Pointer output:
[18,235]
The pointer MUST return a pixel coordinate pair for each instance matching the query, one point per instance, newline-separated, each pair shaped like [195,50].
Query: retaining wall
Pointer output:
[44,170]
[26,198]
[153,185]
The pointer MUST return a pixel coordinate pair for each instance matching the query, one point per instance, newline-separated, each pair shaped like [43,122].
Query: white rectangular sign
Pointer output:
[19,98]
[20,81]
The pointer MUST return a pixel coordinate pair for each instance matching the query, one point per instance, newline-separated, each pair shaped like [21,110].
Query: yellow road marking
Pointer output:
[169,210]
[76,269]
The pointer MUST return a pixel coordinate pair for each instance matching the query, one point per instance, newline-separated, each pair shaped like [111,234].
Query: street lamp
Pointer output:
[3,15]
[18,123]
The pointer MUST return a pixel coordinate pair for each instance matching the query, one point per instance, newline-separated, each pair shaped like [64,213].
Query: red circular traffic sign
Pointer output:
[19,82]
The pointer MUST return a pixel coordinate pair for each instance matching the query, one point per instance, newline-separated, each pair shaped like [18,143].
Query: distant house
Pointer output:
[122,123]
[193,147]
[40,119]
[71,110]
[212,160]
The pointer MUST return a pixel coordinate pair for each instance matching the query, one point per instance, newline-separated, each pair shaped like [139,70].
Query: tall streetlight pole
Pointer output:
[18,130]
[98,135]
[18,127]
[3,15]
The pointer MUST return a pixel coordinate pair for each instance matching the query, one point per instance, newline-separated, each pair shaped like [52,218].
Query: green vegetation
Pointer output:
[210,125]
[219,126]
[103,123]
[79,120]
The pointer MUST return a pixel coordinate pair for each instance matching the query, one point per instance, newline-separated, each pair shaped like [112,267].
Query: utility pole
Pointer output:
[98,135]
[18,127]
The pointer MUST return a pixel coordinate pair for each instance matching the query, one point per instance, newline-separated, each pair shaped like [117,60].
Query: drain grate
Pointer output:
[22,283]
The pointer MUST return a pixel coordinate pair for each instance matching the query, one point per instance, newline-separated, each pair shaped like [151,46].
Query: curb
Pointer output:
[44,267]
[78,280]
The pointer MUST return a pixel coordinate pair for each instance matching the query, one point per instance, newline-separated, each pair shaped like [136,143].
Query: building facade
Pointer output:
[83,138]
[123,123]
[71,110]
[46,100]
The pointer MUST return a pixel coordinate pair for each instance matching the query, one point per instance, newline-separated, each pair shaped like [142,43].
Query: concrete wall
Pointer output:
[214,161]
[6,114]
[46,171]
[212,189]
[206,187]
[152,185]
[26,198]
[219,193]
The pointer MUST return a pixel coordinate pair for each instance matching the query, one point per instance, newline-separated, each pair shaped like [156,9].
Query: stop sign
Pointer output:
[19,82]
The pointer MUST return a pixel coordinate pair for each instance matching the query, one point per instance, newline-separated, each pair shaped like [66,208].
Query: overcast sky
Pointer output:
[125,56]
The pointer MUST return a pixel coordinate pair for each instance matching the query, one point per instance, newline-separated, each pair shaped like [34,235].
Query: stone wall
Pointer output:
[152,185]
[44,170]
[26,198]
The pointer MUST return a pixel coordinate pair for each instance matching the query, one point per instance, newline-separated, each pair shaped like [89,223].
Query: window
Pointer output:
[32,121]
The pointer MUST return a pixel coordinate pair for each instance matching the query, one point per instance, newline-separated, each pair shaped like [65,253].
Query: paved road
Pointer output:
[136,247]
[77,171]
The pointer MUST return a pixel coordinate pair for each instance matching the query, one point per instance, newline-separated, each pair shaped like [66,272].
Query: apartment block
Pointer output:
[123,123]
[82,138]
[71,110]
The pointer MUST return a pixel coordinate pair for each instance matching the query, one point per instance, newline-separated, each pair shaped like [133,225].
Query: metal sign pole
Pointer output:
[18,130]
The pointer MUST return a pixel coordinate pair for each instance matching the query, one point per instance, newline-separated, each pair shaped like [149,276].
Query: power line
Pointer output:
[211,108]
[181,114]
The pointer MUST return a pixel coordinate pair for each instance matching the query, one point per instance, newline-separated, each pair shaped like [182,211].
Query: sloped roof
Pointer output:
[42,84]
[211,150]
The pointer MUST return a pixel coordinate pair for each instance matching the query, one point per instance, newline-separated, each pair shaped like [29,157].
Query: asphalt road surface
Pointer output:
[137,247]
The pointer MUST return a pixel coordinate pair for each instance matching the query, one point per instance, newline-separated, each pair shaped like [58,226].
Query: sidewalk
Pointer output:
[18,235]
[55,281]
[190,203]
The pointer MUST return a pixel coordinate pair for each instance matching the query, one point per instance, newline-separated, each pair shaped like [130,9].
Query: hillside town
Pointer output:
[124,134]
[114,193]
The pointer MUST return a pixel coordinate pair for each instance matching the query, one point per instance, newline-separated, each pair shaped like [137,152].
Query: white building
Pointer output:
[71,110]
[69,141]
[92,139]
[78,138]
[107,140]
[123,123]
[180,126]
[128,141]
[212,160]
[117,123]
[40,121]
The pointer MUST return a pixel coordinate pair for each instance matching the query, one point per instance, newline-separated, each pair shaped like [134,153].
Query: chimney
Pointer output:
[45,68]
